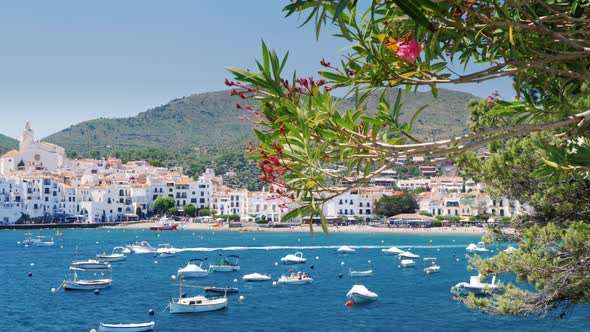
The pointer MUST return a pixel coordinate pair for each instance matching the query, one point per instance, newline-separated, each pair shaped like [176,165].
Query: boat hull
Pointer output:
[210,305]
[140,327]
[87,284]
[163,228]
[111,258]
[223,268]
[295,281]
[256,277]
[360,298]
[91,265]
[361,273]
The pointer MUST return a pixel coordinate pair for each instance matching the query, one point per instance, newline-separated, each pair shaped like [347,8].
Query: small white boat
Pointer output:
[91,264]
[296,258]
[131,327]
[478,248]
[193,269]
[42,241]
[476,286]
[510,250]
[360,294]
[166,250]
[432,269]
[391,251]
[228,264]
[298,278]
[366,273]
[256,277]
[345,250]
[142,248]
[115,255]
[197,303]
[408,263]
[85,284]
[407,254]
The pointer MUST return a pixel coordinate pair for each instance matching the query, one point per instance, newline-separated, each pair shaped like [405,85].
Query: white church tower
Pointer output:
[32,155]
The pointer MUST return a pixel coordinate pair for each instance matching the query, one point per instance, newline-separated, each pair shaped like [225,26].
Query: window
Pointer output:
[202,193]
[193,200]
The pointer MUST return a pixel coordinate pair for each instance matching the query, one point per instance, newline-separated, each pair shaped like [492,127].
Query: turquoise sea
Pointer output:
[409,299]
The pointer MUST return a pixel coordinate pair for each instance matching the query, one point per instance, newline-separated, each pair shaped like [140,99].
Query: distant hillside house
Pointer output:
[32,154]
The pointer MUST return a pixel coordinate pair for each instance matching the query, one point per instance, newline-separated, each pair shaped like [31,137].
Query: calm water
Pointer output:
[409,300]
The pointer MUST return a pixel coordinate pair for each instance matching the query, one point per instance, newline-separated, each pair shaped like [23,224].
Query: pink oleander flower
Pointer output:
[409,51]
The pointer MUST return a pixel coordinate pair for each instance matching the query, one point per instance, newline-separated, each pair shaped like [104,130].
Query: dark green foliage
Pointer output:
[189,210]
[162,204]
[391,205]
[7,144]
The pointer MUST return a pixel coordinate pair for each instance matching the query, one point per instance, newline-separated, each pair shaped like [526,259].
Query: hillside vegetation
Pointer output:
[7,144]
[206,130]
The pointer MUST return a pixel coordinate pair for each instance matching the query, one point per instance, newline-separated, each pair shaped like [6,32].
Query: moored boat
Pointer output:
[476,286]
[228,264]
[345,250]
[257,277]
[194,269]
[91,264]
[391,251]
[197,303]
[407,254]
[360,294]
[129,327]
[366,273]
[115,255]
[296,258]
[477,248]
[221,290]
[85,284]
[408,263]
[298,278]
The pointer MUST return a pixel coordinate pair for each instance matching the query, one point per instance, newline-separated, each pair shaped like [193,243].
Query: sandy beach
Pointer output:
[362,229]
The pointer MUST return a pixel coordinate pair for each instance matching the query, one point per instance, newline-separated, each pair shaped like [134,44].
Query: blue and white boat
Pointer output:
[131,327]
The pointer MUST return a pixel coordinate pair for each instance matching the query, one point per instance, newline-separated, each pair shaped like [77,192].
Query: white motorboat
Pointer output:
[130,327]
[408,263]
[360,294]
[85,284]
[228,264]
[298,278]
[193,269]
[391,251]
[296,258]
[165,250]
[197,303]
[91,264]
[510,250]
[478,248]
[115,255]
[43,241]
[407,254]
[345,250]
[366,273]
[432,269]
[256,277]
[476,286]
[142,248]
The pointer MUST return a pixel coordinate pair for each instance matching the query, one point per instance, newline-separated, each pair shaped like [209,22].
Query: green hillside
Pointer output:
[197,122]
[7,144]
[444,117]
[206,130]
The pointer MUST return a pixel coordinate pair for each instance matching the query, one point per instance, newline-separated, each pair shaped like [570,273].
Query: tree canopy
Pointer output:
[542,45]
[390,205]
[164,204]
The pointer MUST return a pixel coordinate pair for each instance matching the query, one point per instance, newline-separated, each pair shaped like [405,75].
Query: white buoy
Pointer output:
[382,241]
[399,266]
[274,283]
[26,245]
[158,235]
[97,242]
[53,290]
[241,298]
[317,257]
[17,242]
[254,238]
[437,249]
[173,277]
[235,280]
[298,240]
[193,233]
[341,263]
[155,262]
[276,264]
[93,330]
[369,261]
[32,264]
[457,259]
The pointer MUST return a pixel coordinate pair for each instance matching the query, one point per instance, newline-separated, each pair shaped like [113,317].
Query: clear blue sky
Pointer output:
[66,61]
